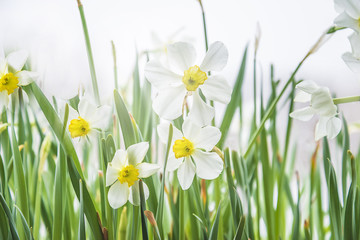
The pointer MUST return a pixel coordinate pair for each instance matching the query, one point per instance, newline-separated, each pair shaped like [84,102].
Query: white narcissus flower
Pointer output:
[185,78]
[124,172]
[88,120]
[192,145]
[352,59]
[349,14]
[11,76]
[321,103]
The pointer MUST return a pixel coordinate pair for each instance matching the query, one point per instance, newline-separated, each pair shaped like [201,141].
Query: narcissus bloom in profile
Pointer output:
[12,76]
[352,59]
[321,103]
[349,14]
[185,78]
[190,152]
[88,120]
[124,172]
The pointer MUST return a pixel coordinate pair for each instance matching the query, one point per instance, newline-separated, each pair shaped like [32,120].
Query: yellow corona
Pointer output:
[193,78]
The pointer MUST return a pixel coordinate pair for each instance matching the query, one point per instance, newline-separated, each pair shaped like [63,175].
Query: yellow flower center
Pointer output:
[193,78]
[79,127]
[8,82]
[128,174]
[183,148]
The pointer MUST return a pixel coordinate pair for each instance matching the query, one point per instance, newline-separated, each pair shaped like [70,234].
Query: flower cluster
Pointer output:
[349,17]
[321,103]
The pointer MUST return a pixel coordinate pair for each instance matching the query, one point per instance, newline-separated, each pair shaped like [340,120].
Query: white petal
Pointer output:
[173,163]
[168,103]
[352,7]
[344,20]
[4,100]
[217,88]
[147,169]
[303,114]
[181,56]
[208,164]
[355,44]
[186,173]
[207,138]
[86,109]
[134,197]
[302,96]
[190,129]
[322,103]
[26,77]
[159,76]
[3,66]
[137,152]
[163,132]
[17,59]
[215,58]
[200,112]
[320,129]
[307,86]
[352,62]
[112,174]
[119,159]
[118,194]
[333,127]
[101,117]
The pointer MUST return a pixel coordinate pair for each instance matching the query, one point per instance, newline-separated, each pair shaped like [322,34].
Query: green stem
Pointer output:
[115,65]
[346,100]
[182,215]
[89,53]
[272,107]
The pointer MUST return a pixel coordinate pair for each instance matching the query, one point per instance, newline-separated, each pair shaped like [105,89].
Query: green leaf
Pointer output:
[125,121]
[234,102]
[335,208]
[81,235]
[214,230]
[240,229]
[4,224]
[14,233]
[27,231]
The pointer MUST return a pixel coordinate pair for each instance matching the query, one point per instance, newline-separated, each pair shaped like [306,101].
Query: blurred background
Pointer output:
[51,31]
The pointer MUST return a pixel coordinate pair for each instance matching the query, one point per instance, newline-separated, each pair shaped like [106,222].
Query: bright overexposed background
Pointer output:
[51,31]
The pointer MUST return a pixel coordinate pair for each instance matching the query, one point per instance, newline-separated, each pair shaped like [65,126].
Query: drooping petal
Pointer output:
[302,96]
[173,163]
[181,56]
[26,77]
[215,58]
[355,44]
[186,173]
[322,102]
[303,114]
[208,164]
[119,159]
[4,100]
[344,20]
[352,7]
[147,169]
[134,197]
[320,128]
[137,152]
[307,86]
[118,194]
[190,129]
[168,103]
[333,127]
[112,174]
[101,117]
[207,138]
[16,60]
[161,77]
[163,132]
[200,112]
[352,62]
[216,88]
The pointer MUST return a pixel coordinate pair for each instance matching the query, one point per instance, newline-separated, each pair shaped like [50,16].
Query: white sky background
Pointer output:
[52,32]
